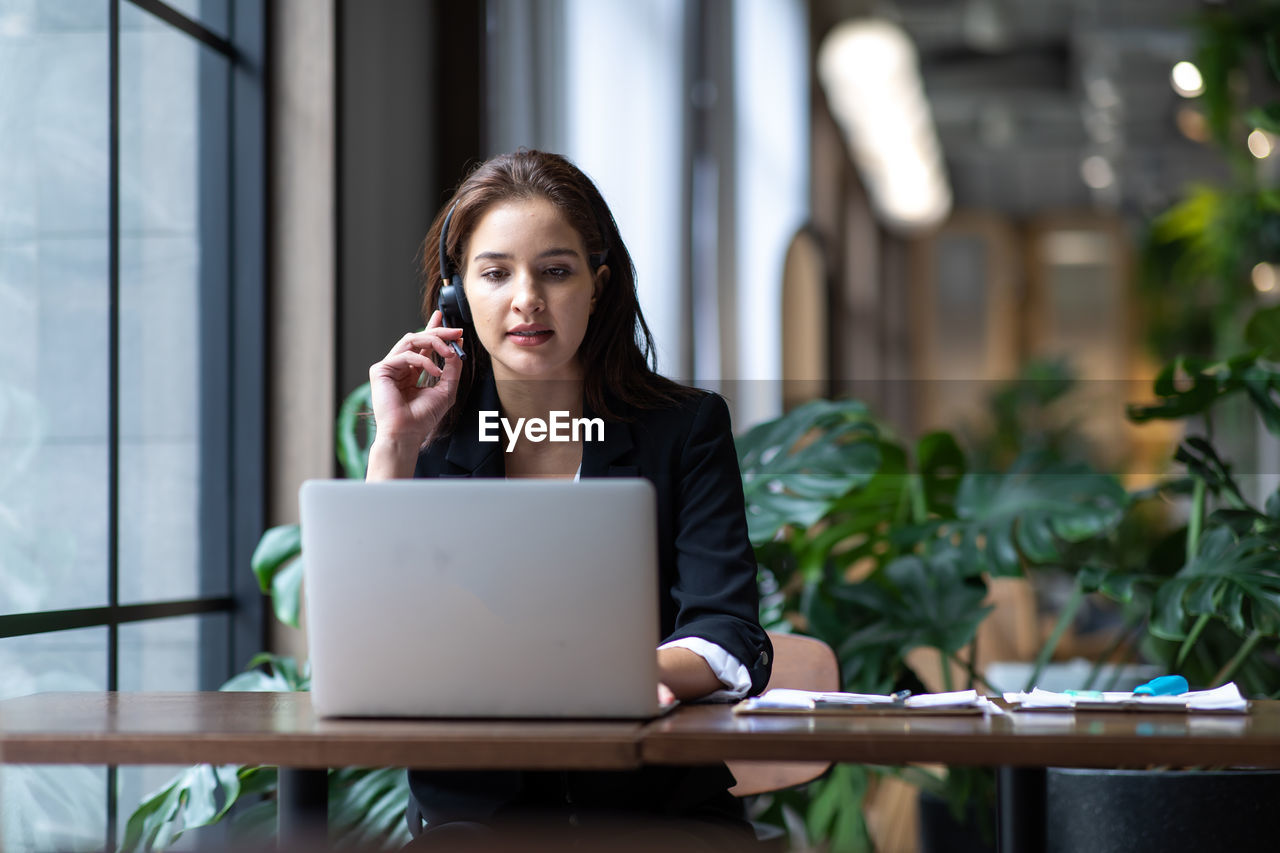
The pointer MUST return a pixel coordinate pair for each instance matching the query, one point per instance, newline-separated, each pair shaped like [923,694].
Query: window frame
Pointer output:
[232,395]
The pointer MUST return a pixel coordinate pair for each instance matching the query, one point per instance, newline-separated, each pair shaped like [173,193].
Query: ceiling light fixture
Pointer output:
[1097,172]
[1264,278]
[1186,79]
[871,76]
[1260,144]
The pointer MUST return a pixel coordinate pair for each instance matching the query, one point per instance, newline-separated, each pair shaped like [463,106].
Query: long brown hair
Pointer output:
[617,353]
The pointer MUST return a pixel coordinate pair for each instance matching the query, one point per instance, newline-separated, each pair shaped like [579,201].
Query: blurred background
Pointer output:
[997,217]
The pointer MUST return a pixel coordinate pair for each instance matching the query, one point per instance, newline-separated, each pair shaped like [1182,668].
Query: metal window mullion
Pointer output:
[247,312]
[50,621]
[113,381]
[191,27]
[113,341]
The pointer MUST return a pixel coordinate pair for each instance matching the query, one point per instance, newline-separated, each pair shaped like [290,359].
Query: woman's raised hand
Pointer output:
[405,409]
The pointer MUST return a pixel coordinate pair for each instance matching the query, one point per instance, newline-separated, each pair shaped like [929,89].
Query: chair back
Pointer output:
[800,663]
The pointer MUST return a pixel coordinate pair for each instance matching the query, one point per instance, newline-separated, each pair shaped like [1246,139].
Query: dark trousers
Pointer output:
[684,808]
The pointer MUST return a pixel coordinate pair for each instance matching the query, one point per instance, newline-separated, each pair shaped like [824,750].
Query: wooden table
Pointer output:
[1026,739]
[1019,745]
[280,729]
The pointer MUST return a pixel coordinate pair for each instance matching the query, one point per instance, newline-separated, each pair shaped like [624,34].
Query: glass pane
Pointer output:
[173,119]
[53,807]
[187,653]
[53,304]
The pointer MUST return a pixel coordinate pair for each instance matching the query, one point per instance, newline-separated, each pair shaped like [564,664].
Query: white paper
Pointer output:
[780,698]
[1224,698]
[955,699]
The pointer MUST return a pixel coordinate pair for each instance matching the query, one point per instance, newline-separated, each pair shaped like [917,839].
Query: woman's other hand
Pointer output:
[406,409]
[685,674]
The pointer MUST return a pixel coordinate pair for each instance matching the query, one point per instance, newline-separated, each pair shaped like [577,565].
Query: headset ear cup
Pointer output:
[464,307]
[447,302]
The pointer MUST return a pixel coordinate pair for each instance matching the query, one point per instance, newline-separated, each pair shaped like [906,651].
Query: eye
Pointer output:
[558,272]
[493,275]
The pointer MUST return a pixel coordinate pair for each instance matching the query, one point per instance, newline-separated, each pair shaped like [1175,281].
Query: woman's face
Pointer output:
[531,290]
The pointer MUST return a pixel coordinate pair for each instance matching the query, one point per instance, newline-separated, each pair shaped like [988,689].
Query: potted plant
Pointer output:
[878,551]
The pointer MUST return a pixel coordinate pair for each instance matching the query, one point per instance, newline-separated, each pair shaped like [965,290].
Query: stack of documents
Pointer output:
[784,701]
[1223,700]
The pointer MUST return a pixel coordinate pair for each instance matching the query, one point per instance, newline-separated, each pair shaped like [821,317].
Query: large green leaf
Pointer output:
[796,466]
[1188,387]
[913,602]
[283,675]
[355,432]
[1028,513]
[1203,461]
[276,565]
[942,466]
[835,811]
[1262,332]
[198,796]
[1234,580]
[366,807]
[854,524]
[277,546]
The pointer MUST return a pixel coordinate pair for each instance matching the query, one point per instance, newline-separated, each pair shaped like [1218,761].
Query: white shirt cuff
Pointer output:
[732,674]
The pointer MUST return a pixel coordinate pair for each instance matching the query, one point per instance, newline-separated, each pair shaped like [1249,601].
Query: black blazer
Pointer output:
[707,569]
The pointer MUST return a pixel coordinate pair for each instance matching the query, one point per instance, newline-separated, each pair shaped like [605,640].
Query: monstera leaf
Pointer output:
[277,564]
[1262,332]
[1235,580]
[795,467]
[1191,386]
[916,601]
[850,529]
[355,431]
[1028,512]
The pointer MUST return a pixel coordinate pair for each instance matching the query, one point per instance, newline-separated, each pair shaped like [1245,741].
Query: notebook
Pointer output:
[481,598]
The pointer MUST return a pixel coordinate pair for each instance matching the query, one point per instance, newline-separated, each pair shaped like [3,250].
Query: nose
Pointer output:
[526,296]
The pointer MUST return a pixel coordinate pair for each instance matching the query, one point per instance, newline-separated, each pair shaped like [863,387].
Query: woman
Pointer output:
[552,323]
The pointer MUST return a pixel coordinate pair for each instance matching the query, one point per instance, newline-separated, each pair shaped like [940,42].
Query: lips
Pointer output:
[529,335]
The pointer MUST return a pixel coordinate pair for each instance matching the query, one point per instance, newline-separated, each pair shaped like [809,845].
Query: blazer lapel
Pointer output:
[611,457]
[469,456]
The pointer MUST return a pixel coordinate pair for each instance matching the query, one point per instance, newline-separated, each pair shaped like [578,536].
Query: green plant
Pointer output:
[879,549]
[366,805]
[1217,616]
[1197,255]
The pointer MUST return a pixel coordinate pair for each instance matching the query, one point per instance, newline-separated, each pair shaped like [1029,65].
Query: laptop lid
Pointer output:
[481,597]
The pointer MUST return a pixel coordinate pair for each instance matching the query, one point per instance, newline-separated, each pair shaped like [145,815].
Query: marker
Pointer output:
[1165,685]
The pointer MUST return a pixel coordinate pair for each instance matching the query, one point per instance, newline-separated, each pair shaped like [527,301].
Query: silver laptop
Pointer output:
[493,598]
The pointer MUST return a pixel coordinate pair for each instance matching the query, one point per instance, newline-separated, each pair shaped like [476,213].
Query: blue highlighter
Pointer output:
[1165,685]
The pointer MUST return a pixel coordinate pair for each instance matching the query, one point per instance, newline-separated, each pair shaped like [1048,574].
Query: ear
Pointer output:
[597,286]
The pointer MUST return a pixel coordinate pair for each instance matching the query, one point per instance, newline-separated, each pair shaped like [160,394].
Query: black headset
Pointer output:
[455,313]
[452,300]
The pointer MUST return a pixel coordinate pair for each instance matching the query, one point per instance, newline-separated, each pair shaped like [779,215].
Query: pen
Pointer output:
[900,696]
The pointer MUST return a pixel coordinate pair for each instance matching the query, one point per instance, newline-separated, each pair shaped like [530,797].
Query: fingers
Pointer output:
[404,367]
[431,339]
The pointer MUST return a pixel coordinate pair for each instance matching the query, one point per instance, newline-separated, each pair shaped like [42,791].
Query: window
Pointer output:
[131,368]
